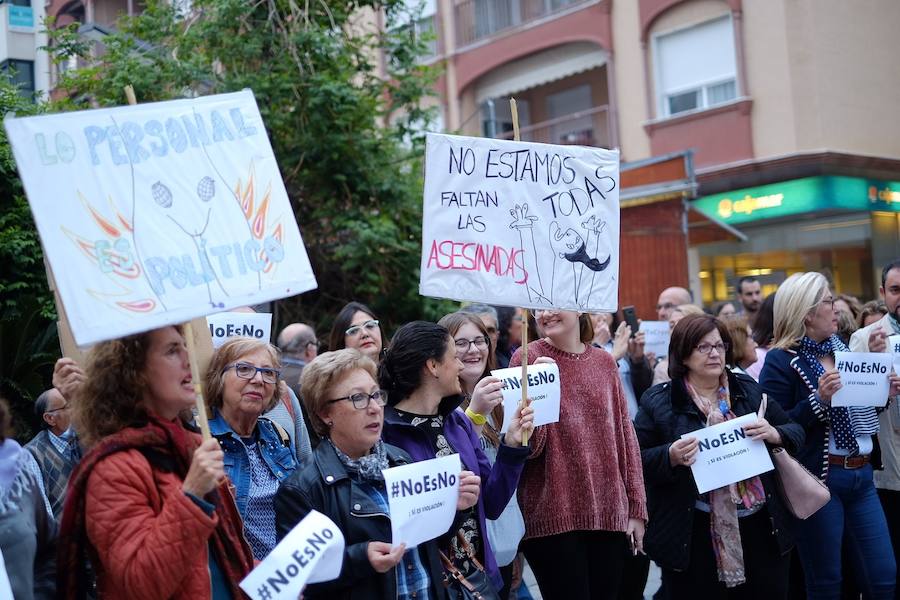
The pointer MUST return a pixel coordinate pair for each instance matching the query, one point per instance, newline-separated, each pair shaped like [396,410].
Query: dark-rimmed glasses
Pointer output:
[58,408]
[248,371]
[355,330]
[462,344]
[361,400]
[704,348]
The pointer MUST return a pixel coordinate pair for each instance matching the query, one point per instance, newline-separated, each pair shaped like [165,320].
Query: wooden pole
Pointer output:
[514,109]
[193,357]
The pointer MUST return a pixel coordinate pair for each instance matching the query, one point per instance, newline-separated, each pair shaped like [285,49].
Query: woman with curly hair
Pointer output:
[149,503]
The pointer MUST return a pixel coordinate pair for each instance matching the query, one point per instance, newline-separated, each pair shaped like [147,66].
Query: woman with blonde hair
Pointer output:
[149,503]
[800,374]
[242,383]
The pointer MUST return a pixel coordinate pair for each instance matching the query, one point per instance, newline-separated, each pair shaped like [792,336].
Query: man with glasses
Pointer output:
[670,298]
[55,448]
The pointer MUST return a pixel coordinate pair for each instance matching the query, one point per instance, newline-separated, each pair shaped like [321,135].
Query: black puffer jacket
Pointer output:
[325,486]
[666,413]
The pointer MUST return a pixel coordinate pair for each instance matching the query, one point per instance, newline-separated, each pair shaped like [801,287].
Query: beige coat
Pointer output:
[889,432]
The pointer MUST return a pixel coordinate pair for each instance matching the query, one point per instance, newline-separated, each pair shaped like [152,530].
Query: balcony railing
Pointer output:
[584,128]
[479,19]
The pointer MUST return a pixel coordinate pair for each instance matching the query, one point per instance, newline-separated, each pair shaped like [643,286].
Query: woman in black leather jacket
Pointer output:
[344,482]
[709,545]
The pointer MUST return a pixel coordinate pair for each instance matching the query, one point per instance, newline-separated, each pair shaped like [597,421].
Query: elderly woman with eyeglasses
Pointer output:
[730,542]
[241,384]
[344,481]
[356,326]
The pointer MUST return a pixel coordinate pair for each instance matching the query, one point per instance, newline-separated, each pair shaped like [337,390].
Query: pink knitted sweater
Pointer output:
[584,472]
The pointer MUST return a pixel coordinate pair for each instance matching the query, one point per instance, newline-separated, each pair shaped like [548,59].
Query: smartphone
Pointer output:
[630,319]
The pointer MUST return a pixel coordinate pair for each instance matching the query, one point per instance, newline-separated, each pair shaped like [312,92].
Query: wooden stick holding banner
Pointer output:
[515,119]
[193,357]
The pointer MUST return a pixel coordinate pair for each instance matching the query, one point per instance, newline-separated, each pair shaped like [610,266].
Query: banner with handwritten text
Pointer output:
[159,213]
[520,224]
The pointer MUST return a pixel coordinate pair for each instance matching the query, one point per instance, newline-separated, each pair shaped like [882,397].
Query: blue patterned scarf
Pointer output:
[847,423]
[368,467]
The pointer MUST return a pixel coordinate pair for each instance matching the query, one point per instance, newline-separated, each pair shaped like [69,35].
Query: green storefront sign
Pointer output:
[810,194]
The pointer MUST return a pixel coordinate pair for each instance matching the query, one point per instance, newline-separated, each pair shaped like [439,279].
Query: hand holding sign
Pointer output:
[469,489]
[864,378]
[486,395]
[829,384]
[521,426]
[726,454]
[543,390]
[382,558]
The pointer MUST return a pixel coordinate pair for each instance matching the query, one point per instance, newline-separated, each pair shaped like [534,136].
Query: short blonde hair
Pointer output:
[689,309]
[737,329]
[797,297]
[320,375]
[226,354]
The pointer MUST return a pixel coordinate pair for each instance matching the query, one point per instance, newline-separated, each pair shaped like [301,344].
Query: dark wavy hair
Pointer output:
[764,323]
[687,335]
[342,322]
[400,371]
[505,316]
[112,396]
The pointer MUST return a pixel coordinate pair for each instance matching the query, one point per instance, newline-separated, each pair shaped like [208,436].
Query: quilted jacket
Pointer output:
[151,539]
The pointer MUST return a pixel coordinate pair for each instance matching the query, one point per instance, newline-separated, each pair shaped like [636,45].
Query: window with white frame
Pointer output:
[696,67]
[424,25]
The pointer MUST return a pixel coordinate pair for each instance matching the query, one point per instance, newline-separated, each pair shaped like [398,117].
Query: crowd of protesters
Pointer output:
[118,496]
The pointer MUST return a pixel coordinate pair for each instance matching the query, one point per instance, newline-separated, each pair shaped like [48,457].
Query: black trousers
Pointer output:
[634,576]
[577,565]
[890,502]
[765,568]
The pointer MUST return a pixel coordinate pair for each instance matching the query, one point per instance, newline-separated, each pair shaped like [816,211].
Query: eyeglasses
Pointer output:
[356,329]
[315,343]
[53,410]
[462,345]
[829,301]
[361,400]
[248,371]
[705,348]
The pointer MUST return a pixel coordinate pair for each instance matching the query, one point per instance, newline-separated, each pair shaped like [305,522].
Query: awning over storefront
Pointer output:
[540,68]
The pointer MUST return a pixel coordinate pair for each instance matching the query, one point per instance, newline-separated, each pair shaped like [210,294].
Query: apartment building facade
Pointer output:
[21,60]
[756,137]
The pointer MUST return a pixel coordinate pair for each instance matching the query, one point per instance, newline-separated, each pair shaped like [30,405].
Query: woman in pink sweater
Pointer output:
[582,491]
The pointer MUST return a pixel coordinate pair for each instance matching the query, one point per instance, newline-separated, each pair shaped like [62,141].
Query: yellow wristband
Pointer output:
[475,417]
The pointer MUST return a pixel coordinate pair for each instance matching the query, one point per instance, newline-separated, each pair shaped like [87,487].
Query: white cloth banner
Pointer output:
[864,378]
[422,497]
[311,553]
[520,224]
[225,325]
[159,213]
[543,389]
[727,455]
[656,337]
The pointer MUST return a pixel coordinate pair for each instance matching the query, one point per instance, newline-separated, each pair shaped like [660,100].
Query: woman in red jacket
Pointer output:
[582,489]
[149,504]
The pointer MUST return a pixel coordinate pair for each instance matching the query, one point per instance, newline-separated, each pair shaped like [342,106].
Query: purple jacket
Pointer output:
[497,484]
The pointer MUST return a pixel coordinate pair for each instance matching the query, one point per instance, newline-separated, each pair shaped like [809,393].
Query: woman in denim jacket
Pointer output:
[241,384]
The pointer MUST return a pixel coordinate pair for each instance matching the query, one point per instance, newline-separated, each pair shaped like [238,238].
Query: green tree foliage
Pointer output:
[341,101]
[27,328]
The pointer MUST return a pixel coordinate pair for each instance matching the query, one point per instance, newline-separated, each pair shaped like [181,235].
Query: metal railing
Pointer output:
[584,128]
[479,19]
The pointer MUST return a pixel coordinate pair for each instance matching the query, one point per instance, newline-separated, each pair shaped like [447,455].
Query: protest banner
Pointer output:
[727,454]
[226,325]
[864,378]
[894,348]
[422,498]
[157,214]
[656,337]
[312,552]
[520,224]
[543,389]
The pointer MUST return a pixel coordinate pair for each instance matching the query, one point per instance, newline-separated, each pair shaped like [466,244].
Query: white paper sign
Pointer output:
[864,378]
[422,497]
[727,455]
[520,224]
[894,348]
[543,389]
[656,337]
[5,586]
[311,553]
[159,213]
[232,324]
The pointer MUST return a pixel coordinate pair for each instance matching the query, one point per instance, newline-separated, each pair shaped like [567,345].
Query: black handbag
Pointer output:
[474,585]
